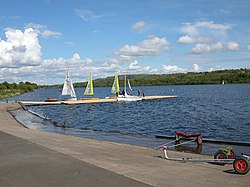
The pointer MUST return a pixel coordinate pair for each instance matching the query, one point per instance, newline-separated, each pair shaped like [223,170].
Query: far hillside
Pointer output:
[239,76]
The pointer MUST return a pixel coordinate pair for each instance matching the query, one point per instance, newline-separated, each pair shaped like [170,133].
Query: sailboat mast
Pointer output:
[125,85]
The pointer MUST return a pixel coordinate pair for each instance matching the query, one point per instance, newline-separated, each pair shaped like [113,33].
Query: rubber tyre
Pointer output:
[241,165]
[199,140]
[220,155]
[231,155]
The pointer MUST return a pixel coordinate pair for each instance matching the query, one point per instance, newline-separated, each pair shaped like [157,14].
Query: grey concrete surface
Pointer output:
[23,163]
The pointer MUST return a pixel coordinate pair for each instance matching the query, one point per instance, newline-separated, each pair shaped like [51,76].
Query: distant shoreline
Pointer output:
[235,76]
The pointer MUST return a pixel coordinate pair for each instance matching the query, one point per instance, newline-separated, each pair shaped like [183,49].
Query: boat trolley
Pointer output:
[241,164]
[195,137]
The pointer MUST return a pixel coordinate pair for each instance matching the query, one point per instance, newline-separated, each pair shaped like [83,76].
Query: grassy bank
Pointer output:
[13,89]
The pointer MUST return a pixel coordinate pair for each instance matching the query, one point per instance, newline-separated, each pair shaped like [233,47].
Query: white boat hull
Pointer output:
[128,98]
[71,99]
[67,98]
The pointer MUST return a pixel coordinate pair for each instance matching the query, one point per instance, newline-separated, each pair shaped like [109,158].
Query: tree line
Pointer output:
[15,89]
[239,76]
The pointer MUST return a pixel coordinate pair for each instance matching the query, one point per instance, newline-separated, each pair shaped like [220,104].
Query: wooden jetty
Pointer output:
[27,103]
[159,97]
[88,101]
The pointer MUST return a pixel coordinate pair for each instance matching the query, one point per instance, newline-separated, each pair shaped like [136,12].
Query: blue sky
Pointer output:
[41,38]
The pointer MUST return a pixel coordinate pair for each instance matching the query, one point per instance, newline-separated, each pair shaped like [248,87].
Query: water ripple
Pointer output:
[217,111]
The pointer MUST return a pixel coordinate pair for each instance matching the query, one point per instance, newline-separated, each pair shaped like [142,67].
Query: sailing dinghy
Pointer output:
[125,96]
[115,88]
[89,90]
[68,92]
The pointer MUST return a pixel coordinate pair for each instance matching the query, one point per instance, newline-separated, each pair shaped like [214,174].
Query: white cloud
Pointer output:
[69,43]
[88,61]
[176,69]
[190,40]
[148,69]
[152,46]
[48,33]
[248,47]
[204,48]
[43,30]
[197,68]
[138,26]
[203,32]
[219,46]
[134,66]
[20,60]
[201,27]
[212,25]
[233,46]
[20,48]
[74,62]
[173,69]
[87,15]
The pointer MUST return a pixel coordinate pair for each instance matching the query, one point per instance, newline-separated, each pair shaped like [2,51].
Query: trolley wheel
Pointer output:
[199,140]
[220,155]
[231,155]
[241,165]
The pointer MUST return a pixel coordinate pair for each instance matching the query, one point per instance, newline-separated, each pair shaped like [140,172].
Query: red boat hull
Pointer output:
[50,100]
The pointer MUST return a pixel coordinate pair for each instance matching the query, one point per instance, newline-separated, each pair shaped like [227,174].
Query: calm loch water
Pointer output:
[217,111]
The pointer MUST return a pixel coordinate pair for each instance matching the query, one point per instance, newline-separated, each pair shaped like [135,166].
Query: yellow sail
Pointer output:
[89,88]
[115,88]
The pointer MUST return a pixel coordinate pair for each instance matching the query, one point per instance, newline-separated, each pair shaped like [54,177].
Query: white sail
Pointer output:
[126,96]
[129,85]
[68,88]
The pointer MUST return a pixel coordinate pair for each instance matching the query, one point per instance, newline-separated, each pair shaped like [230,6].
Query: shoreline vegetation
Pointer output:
[236,76]
[239,76]
[15,89]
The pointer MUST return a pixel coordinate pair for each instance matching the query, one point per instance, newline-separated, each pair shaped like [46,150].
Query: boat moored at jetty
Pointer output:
[125,96]
[68,92]
[50,100]
[89,90]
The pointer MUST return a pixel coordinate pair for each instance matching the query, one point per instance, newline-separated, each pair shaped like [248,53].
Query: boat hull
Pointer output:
[90,98]
[67,98]
[50,100]
[129,98]
[71,99]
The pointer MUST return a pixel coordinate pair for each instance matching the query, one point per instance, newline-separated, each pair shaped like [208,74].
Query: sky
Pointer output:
[41,39]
